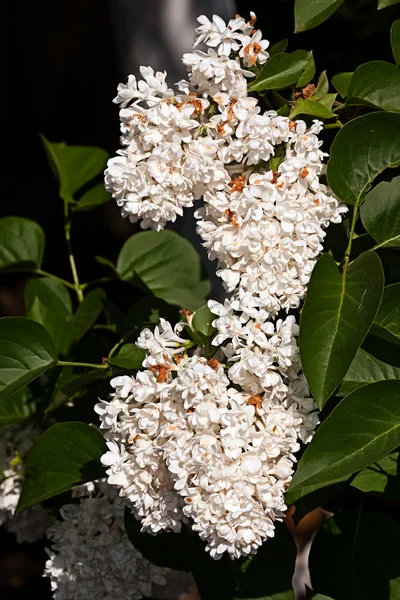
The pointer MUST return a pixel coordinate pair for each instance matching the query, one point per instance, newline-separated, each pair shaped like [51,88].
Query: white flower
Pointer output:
[91,555]
[30,525]
[253,49]
[211,443]
[199,450]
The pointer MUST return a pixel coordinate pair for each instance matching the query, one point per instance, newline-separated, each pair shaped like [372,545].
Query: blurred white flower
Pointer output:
[91,555]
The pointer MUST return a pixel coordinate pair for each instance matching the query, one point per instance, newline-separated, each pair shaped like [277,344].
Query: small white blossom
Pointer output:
[91,555]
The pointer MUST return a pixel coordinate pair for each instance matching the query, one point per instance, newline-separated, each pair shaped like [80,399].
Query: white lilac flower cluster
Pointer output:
[30,525]
[210,139]
[211,443]
[186,446]
[91,555]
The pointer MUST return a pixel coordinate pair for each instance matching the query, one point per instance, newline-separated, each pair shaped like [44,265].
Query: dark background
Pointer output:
[59,76]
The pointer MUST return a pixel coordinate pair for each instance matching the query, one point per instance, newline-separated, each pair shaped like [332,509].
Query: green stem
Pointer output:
[63,363]
[115,348]
[67,231]
[346,258]
[336,125]
[63,281]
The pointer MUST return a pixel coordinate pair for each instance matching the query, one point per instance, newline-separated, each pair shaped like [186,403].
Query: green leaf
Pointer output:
[95,197]
[57,326]
[386,3]
[26,351]
[310,13]
[341,83]
[388,315]
[16,408]
[105,262]
[202,324]
[355,557]
[327,100]
[275,583]
[129,357]
[382,349]
[362,429]
[395,41]
[308,71]
[48,302]
[64,456]
[145,311]
[375,84]
[21,244]
[115,316]
[278,158]
[88,312]
[70,386]
[281,71]
[337,314]
[380,213]
[74,165]
[164,549]
[52,293]
[381,478]
[366,369]
[322,86]
[362,149]
[278,47]
[203,321]
[315,109]
[167,264]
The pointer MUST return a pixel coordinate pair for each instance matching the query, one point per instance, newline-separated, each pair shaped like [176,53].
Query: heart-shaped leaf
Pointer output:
[167,264]
[26,351]
[362,149]
[64,456]
[362,429]
[310,13]
[375,84]
[337,314]
[21,244]
[380,213]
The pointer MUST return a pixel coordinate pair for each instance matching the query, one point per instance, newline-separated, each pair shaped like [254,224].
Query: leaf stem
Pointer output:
[67,231]
[346,258]
[63,281]
[63,363]
[115,348]
[335,125]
